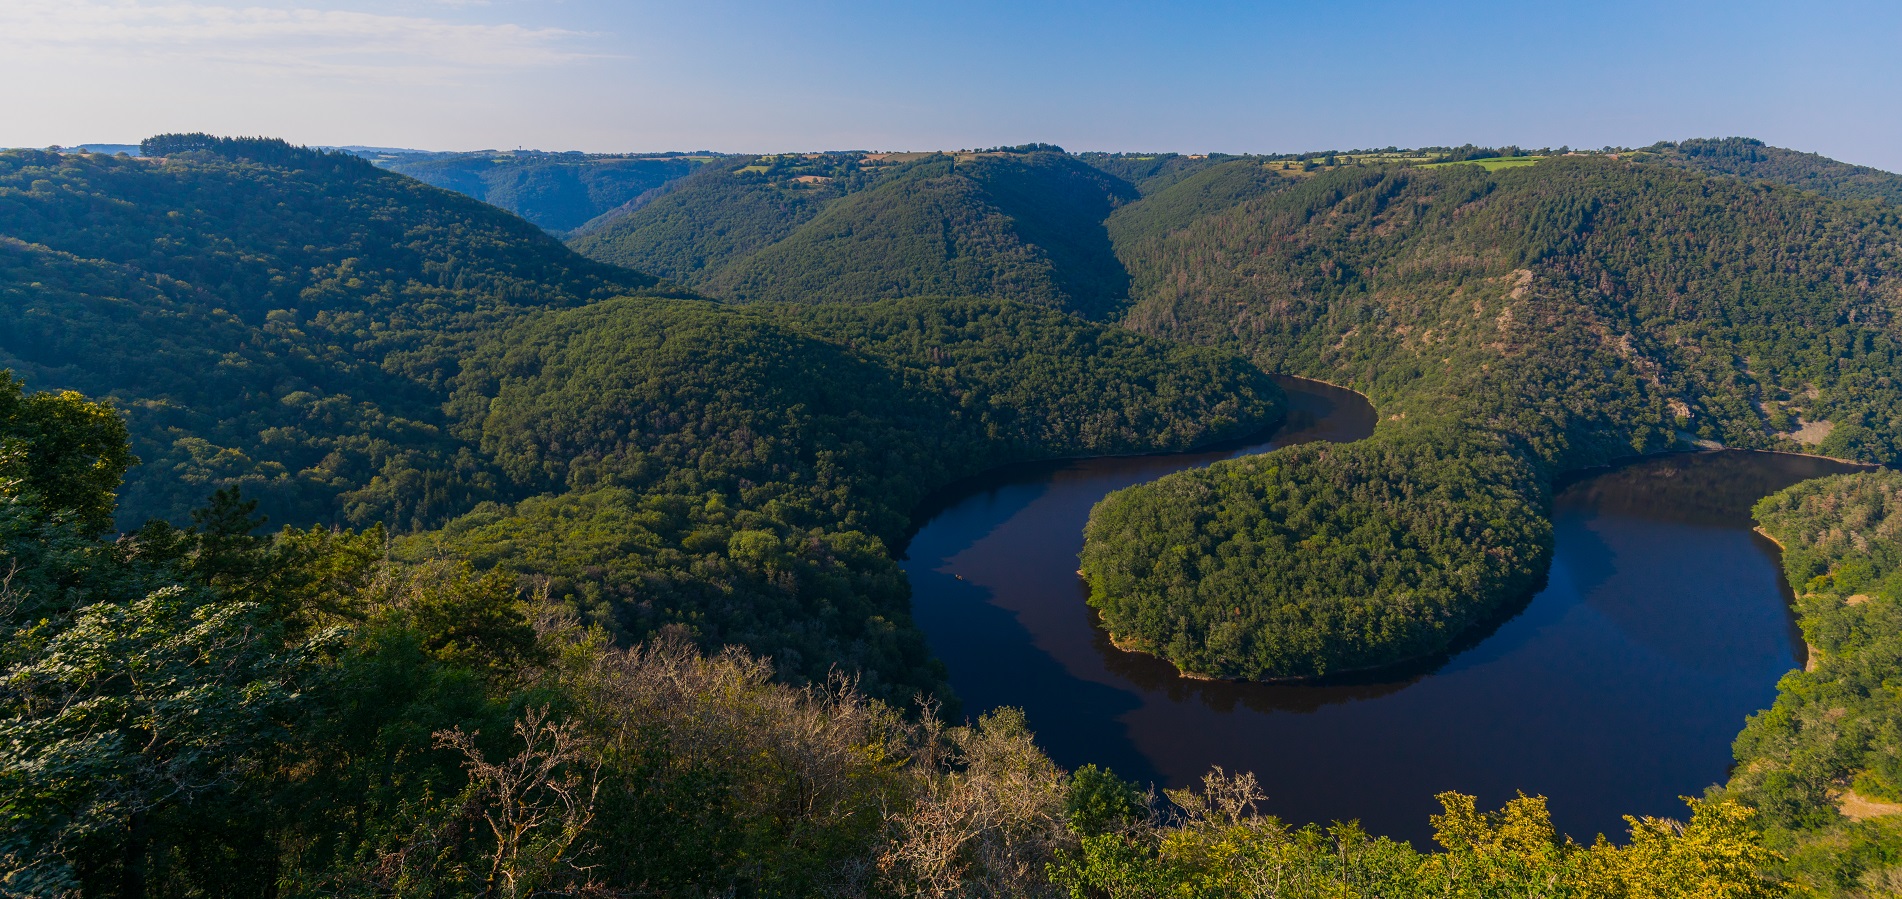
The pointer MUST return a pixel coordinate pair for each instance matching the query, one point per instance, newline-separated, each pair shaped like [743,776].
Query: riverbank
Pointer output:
[1614,690]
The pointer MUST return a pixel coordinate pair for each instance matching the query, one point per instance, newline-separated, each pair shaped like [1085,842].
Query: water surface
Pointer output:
[1618,688]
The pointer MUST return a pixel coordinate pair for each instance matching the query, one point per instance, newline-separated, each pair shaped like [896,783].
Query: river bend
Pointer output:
[1618,688]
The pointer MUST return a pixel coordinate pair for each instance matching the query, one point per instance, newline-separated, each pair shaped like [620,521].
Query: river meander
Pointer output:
[1617,688]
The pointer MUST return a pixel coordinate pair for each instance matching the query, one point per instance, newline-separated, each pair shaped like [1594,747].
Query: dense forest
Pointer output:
[400,355]
[1020,225]
[269,317]
[1567,312]
[743,471]
[1750,158]
[206,711]
[1319,559]
[1825,762]
[561,192]
[583,584]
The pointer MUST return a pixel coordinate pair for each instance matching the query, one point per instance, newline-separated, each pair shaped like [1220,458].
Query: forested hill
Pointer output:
[1020,224]
[1750,158]
[628,620]
[725,211]
[558,191]
[743,470]
[1150,172]
[1595,305]
[350,346]
[1510,325]
[1824,764]
[1201,191]
[269,316]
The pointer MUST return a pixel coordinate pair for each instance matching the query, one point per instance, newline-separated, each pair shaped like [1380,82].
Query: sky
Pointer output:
[631,75]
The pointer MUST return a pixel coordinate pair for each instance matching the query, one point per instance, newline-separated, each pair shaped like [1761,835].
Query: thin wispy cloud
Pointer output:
[297,41]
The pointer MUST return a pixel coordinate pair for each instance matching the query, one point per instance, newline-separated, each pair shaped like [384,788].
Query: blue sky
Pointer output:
[1233,77]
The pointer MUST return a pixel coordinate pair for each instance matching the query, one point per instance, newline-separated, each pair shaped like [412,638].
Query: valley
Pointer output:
[752,513]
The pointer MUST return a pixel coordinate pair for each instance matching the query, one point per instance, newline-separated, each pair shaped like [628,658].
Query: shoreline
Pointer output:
[933,504]
[1397,667]
[1410,665]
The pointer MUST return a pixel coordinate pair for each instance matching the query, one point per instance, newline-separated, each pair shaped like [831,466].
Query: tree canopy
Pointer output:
[1564,313]
[561,192]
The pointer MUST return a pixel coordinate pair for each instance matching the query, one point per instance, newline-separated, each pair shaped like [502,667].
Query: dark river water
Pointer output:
[1617,689]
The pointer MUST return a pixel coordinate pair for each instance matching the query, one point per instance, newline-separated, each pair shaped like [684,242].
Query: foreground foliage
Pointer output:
[1217,845]
[203,711]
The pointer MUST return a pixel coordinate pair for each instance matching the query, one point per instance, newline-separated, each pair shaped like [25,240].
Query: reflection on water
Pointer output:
[1615,690]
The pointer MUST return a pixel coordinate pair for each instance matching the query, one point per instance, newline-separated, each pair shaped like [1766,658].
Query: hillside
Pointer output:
[1740,306]
[1150,172]
[270,317]
[1822,763]
[1018,226]
[558,191]
[387,353]
[744,470]
[724,212]
[1200,191]
[1573,310]
[1750,158]
[1023,226]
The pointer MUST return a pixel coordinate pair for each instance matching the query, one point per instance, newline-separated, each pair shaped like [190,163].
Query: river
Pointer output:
[1617,689]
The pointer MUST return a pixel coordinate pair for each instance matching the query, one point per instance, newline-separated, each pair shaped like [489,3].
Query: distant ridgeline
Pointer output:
[1748,158]
[1023,224]
[561,192]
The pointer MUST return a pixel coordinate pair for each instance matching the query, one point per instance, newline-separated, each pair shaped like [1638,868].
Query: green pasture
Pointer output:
[1491,165]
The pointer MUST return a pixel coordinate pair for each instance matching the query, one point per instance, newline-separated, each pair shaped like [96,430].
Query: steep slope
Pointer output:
[1824,763]
[349,345]
[268,316]
[558,191]
[1201,192]
[1150,172]
[721,213]
[1750,158]
[1566,313]
[742,470]
[1740,305]
[1020,226]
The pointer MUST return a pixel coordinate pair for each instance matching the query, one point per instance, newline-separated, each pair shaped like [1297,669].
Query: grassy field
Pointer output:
[1491,165]
[1318,164]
